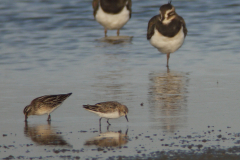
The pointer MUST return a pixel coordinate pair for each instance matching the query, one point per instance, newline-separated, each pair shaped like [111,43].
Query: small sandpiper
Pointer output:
[44,105]
[167,30]
[108,110]
[112,14]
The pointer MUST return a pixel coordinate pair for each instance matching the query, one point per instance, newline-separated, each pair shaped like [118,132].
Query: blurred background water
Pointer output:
[53,47]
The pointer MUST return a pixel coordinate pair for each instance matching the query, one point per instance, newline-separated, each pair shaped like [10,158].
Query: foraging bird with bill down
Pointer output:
[44,105]
[167,31]
[108,110]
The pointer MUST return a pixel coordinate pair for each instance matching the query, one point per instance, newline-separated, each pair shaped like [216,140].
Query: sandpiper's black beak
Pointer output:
[126,117]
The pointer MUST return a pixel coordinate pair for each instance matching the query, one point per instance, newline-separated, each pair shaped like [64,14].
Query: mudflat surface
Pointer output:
[188,112]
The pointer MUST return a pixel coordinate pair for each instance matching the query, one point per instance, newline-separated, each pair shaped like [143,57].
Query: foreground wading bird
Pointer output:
[167,30]
[108,110]
[44,105]
[112,14]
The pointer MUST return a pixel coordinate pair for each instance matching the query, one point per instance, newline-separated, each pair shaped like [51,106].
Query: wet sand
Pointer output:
[45,141]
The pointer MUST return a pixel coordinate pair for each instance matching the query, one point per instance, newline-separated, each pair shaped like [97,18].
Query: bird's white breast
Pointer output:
[166,44]
[112,21]
[109,115]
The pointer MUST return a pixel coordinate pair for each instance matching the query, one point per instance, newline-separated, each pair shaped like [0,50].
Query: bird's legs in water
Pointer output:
[105,32]
[118,32]
[168,56]
[108,122]
[49,118]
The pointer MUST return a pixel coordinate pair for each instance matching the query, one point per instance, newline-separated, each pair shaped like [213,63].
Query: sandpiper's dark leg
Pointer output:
[100,121]
[105,32]
[108,122]
[168,56]
[108,128]
[118,32]
[26,117]
[49,118]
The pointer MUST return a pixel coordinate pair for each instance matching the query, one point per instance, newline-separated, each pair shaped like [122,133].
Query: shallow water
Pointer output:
[54,47]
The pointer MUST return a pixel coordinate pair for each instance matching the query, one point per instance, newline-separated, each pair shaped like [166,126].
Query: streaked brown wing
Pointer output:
[93,108]
[51,100]
[95,4]
[103,107]
[108,104]
[151,25]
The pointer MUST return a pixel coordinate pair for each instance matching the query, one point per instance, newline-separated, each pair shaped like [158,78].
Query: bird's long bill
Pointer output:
[126,117]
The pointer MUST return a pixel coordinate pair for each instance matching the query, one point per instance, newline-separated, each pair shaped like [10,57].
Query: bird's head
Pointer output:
[27,110]
[124,111]
[167,13]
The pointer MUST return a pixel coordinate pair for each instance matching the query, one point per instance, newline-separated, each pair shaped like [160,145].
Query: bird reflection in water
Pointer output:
[112,84]
[168,99]
[108,139]
[44,135]
[116,39]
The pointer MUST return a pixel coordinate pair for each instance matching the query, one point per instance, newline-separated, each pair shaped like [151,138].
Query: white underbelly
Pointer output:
[107,115]
[112,21]
[166,44]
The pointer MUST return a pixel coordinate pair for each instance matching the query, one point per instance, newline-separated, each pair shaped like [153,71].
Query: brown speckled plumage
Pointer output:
[105,109]
[44,105]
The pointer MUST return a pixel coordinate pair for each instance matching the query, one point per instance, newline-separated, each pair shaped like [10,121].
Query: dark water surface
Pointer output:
[53,47]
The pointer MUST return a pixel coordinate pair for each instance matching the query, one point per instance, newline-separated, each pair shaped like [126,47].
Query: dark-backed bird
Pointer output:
[44,105]
[167,31]
[112,14]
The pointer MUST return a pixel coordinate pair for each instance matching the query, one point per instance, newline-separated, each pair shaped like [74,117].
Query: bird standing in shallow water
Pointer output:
[44,105]
[108,110]
[167,30]
[112,14]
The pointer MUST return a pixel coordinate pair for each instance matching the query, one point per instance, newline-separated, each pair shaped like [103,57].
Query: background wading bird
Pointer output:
[112,14]
[167,30]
